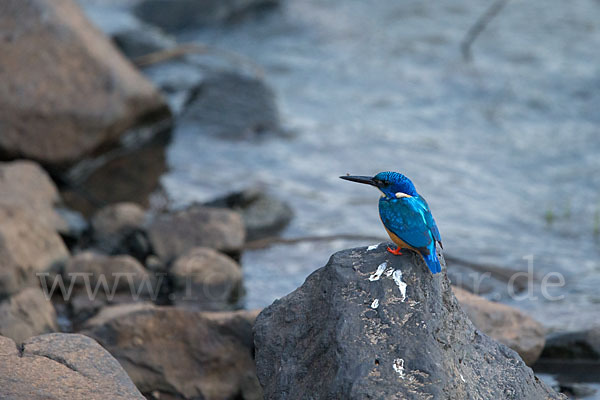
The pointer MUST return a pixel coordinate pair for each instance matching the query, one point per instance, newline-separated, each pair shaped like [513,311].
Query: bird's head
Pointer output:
[391,184]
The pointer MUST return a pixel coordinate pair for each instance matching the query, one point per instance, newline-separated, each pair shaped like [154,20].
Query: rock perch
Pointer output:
[371,325]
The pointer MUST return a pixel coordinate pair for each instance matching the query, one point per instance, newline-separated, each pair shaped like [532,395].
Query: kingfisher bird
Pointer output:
[405,215]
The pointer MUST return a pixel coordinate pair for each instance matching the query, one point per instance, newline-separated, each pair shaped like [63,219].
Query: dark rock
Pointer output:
[175,15]
[176,352]
[26,186]
[205,279]
[130,173]
[141,40]
[25,314]
[27,248]
[263,215]
[318,342]
[505,324]
[62,366]
[232,106]
[173,234]
[76,96]
[574,345]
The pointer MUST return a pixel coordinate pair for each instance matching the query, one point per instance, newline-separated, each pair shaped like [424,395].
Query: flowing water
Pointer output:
[506,148]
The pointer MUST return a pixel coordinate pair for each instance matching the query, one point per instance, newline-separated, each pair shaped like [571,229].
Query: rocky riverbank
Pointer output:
[148,290]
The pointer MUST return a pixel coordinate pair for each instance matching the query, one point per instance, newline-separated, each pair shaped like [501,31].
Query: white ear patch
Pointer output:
[399,195]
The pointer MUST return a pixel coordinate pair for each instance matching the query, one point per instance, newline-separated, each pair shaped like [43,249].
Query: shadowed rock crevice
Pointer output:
[373,325]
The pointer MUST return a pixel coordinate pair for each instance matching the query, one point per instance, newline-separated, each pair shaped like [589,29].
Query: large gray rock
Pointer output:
[62,366]
[232,106]
[181,14]
[205,279]
[27,248]
[26,314]
[69,92]
[353,333]
[179,353]
[505,324]
[173,234]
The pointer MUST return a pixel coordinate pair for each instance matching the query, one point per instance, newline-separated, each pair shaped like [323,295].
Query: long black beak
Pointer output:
[360,179]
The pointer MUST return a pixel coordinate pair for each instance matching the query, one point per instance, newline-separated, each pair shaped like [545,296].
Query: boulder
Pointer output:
[99,280]
[505,324]
[26,314]
[232,106]
[70,92]
[128,174]
[173,234]
[205,279]
[170,351]
[582,345]
[27,249]
[118,229]
[175,15]
[26,186]
[264,215]
[371,325]
[62,366]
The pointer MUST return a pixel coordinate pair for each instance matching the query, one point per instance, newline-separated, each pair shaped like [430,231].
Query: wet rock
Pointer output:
[175,15]
[26,186]
[173,234]
[506,324]
[73,98]
[263,215]
[62,366]
[99,280]
[176,352]
[205,279]
[127,174]
[232,106]
[118,229]
[27,248]
[141,40]
[353,333]
[583,345]
[25,314]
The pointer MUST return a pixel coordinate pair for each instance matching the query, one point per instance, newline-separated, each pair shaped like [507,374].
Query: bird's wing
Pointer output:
[405,218]
[430,221]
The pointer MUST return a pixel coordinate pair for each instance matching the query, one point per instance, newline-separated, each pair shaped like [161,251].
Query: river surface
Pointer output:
[506,148]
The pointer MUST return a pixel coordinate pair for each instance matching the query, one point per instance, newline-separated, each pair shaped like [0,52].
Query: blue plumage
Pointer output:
[406,216]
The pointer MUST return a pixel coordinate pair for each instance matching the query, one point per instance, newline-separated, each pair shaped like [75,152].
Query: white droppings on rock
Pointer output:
[463,379]
[389,272]
[399,367]
[380,269]
[397,277]
[373,247]
[375,304]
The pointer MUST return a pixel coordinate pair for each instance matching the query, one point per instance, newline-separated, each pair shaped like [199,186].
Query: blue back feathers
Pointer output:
[409,218]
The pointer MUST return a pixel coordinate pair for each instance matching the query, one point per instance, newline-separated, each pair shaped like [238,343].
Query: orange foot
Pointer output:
[396,252]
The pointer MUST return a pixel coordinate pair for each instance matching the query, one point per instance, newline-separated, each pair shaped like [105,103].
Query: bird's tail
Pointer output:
[433,262]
